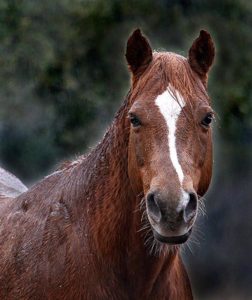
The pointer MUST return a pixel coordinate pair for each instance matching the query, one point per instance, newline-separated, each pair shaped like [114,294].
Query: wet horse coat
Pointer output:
[79,233]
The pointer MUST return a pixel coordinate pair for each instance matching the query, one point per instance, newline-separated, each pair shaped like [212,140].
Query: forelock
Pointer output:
[170,69]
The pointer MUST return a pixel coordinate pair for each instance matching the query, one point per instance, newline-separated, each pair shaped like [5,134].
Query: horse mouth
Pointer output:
[172,240]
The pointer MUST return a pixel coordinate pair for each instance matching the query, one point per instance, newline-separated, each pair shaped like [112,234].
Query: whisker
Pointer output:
[143,228]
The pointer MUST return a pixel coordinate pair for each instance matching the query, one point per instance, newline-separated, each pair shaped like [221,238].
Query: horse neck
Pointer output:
[112,207]
[106,188]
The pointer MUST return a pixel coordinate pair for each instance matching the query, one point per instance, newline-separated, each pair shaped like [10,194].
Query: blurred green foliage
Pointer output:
[63,73]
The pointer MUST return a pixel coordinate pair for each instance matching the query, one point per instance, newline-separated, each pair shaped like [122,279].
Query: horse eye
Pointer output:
[207,120]
[134,121]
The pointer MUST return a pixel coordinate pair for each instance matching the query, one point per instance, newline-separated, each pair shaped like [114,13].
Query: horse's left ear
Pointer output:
[201,55]
[138,53]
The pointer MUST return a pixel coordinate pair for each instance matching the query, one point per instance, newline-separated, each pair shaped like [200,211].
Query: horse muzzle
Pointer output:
[171,221]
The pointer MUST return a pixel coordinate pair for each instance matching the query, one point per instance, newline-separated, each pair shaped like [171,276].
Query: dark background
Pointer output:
[63,75]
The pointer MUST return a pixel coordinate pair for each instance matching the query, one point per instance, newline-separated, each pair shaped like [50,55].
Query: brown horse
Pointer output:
[108,225]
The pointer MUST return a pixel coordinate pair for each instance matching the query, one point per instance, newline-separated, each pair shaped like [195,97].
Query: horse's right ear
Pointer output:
[201,55]
[138,53]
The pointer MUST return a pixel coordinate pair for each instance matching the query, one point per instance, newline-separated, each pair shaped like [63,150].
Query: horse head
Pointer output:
[170,143]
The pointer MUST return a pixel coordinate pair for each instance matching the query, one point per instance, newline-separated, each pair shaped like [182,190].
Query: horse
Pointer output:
[109,225]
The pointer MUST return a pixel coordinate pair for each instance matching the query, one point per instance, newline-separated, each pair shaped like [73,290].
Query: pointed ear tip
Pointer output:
[137,31]
[136,34]
[205,34]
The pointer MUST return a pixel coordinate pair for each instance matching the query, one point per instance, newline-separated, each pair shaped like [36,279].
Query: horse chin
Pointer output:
[172,240]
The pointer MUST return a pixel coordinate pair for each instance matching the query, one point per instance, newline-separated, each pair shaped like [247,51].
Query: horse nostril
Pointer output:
[153,207]
[191,207]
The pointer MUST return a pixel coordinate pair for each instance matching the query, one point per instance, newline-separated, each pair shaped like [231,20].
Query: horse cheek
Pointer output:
[206,171]
[135,161]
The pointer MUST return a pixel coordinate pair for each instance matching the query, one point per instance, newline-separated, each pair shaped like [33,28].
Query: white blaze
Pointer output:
[170,104]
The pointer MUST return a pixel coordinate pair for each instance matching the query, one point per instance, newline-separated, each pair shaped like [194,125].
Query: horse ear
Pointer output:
[138,53]
[201,55]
